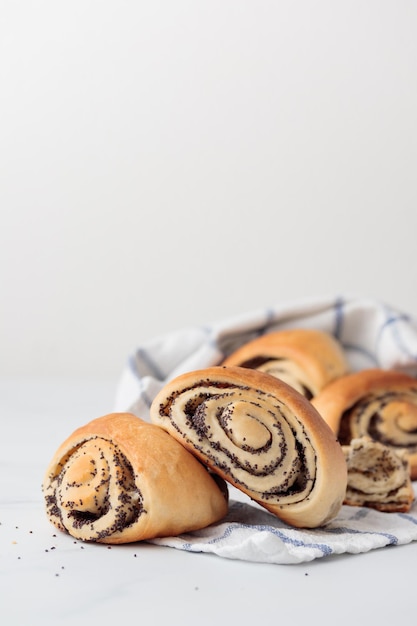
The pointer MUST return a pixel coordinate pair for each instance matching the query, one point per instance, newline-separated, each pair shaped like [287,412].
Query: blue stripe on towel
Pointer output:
[131,363]
[359,514]
[339,306]
[298,543]
[151,368]
[141,393]
[345,530]
[146,399]
[392,324]
[407,517]
[350,347]
[269,320]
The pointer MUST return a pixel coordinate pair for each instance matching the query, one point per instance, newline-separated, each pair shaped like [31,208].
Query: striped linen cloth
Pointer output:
[250,534]
[372,333]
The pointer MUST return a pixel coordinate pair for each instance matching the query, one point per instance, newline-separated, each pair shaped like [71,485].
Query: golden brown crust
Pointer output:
[307,359]
[119,479]
[375,402]
[260,435]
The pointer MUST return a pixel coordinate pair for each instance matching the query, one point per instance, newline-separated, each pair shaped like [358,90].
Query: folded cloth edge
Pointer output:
[372,333]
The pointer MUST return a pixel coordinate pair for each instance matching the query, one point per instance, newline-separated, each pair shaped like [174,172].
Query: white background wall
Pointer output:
[167,164]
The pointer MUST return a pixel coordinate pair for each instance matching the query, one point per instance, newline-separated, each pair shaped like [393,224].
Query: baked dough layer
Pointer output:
[119,479]
[375,402]
[307,359]
[378,476]
[260,435]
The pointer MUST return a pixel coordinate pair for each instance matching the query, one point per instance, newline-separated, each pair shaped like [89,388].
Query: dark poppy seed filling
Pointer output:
[80,518]
[378,476]
[256,362]
[277,367]
[344,434]
[247,435]
[104,498]
[388,417]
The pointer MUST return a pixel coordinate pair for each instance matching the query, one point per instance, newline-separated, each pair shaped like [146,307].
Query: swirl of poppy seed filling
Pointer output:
[249,435]
[285,370]
[387,417]
[378,476]
[94,494]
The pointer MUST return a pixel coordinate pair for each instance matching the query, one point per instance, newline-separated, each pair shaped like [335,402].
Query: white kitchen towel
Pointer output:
[250,534]
[372,333]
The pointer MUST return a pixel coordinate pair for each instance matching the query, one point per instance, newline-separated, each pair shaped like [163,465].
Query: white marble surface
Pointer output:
[46,577]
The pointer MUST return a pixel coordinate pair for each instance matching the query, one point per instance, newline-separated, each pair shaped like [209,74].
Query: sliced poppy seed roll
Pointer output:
[260,435]
[119,479]
[381,404]
[307,359]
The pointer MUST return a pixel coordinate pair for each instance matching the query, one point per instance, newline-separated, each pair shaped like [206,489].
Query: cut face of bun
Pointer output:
[378,476]
[306,359]
[381,404]
[261,436]
[119,479]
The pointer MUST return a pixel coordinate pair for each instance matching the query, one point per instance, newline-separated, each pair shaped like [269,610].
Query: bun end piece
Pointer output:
[378,403]
[378,476]
[260,435]
[119,479]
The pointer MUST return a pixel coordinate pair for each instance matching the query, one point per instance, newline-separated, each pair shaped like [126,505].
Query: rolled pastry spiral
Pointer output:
[381,404]
[378,476]
[307,359]
[261,436]
[119,479]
